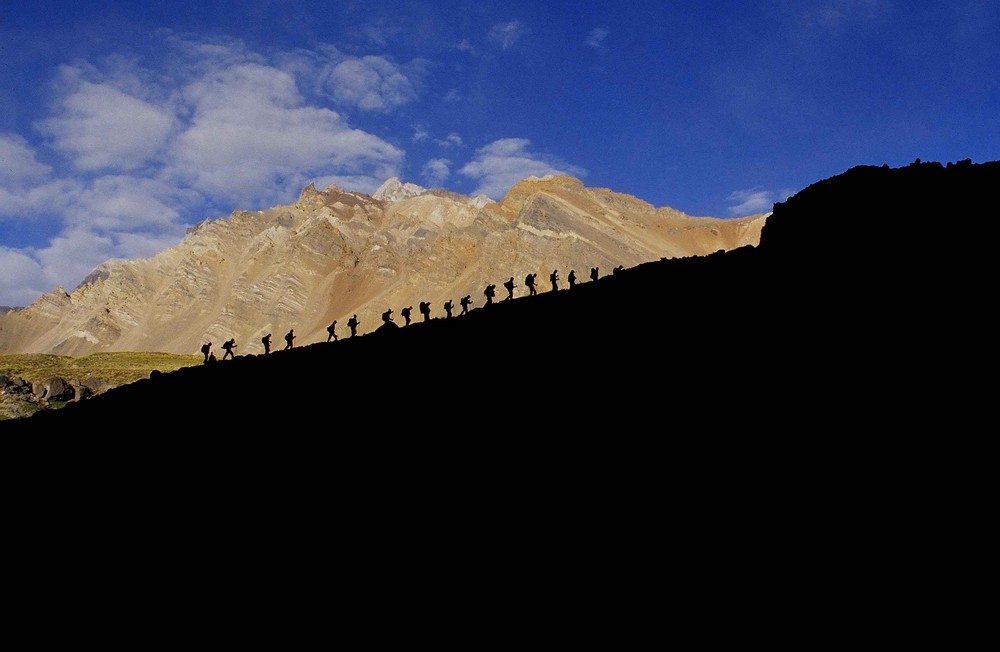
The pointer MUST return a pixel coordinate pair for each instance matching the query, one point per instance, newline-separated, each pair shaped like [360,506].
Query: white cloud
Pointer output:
[381,34]
[254,140]
[595,38]
[112,217]
[452,95]
[506,34]
[124,203]
[756,200]
[451,140]
[420,134]
[144,245]
[101,127]
[18,166]
[50,198]
[22,278]
[436,171]
[71,256]
[26,187]
[370,83]
[202,55]
[749,202]
[504,162]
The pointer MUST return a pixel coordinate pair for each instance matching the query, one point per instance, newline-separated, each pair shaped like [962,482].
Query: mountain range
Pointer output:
[819,330]
[334,254]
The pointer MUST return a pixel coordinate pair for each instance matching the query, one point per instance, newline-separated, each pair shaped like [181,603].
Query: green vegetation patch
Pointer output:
[117,368]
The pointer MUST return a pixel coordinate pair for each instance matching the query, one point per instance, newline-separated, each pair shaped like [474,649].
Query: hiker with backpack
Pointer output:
[529,282]
[509,284]
[229,345]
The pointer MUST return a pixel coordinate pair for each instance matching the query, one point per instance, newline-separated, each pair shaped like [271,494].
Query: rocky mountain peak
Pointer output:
[395,190]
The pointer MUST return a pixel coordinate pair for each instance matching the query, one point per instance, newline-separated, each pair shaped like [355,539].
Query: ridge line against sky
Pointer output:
[124,123]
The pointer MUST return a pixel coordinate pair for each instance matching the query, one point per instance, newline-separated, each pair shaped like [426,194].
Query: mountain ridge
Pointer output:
[335,253]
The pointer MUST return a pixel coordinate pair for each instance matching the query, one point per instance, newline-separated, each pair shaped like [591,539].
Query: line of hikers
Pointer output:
[425,310]
[230,344]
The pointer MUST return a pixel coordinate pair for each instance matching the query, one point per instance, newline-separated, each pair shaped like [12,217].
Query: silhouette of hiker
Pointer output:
[466,300]
[509,284]
[229,345]
[425,309]
[205,349]
[529,281]
[289,336]
[593,273]
[331,331]
[266,341]
[554,277]
[352,323]
[447,308]
[617,269]
[489,292]
[387,316]
[406,314]
[571,278]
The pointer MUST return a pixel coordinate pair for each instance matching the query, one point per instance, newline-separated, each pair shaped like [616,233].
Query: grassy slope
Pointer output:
[113,368]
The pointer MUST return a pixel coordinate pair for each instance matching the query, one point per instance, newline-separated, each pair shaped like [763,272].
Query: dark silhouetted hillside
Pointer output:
[751,421]
[714,342]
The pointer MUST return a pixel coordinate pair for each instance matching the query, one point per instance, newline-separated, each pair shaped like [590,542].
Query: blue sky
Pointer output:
[124,123]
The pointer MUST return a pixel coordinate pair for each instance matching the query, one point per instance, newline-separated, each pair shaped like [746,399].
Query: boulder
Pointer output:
[54,389]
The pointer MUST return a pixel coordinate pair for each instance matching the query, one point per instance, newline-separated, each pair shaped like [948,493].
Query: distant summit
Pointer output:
[394,190]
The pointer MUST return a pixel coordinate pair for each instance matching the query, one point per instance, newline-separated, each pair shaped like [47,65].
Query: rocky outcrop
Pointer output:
[335,253]
[20,398]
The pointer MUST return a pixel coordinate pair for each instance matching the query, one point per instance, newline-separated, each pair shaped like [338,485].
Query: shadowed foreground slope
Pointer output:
[516,364]
[741,438]
[739,339]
